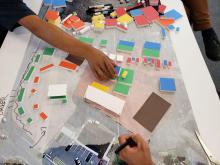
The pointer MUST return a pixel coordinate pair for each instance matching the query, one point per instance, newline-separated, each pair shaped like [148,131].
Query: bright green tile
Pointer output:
[48,51]
[29,120]
[129,78]
[28,75]
[151,52]
[86,40]
[57,97]
[103,43]
[121,88]
[21,94]
[125,48]
[37,58]
[20,111]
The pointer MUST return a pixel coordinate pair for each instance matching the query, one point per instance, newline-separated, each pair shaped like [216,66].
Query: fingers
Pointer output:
[122,139]
[101,75]
[110,68]
[139,140]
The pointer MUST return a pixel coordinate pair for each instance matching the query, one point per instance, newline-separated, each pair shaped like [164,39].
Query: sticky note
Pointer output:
[100,86]
[167,85]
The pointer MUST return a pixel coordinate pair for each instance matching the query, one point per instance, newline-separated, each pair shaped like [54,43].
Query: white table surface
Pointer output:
[199,85]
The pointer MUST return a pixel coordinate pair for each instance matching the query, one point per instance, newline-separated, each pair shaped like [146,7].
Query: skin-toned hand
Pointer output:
[101,65]
[139,155]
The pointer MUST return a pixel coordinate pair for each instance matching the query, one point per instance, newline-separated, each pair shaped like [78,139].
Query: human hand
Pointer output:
[101,65]
[139,155]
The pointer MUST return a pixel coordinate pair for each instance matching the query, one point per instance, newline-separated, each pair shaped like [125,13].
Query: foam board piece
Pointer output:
[122,28]
[150,13]
[57,90]
[173,14]
[100,86]
[136,12]
[106,100]
[112,56]
[167,84]
[119,58]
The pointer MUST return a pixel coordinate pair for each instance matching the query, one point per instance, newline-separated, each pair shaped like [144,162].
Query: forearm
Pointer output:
[56,37]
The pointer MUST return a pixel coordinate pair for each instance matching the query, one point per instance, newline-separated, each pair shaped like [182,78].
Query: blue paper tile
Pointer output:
[126,43]
[152,45]
[117,70]
[47,2]
[136,12]
[167,84]
[59,3]
[173,14]
[171,27]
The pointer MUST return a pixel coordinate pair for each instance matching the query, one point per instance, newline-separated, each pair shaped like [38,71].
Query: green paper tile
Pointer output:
[20,111]
[121,88]
[86,40]
[151,52]
[57,97]
[27,77]
[103,42]
[129,78]
[21,94]
[29,120]
[48,51]
[125,48]
[37,58]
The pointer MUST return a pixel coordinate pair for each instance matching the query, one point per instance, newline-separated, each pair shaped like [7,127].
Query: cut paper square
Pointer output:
[43,116]
[166,21]
[48,51]
[173,14]
[167,85]
[152,111]
[125,19]
[162,9]
[136,12]
[150,13]
[21,111]
[141,21]
[129,78]
[120,11]
[112,56]
[103,43]
[110,23]
[59,3]
[121,88]
[119,58]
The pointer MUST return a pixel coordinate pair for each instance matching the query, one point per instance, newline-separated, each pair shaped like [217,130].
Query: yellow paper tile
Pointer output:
[125,19]
[100,86]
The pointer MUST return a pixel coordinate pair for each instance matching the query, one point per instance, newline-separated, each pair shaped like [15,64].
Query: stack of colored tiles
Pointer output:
[125,46]
[151,49]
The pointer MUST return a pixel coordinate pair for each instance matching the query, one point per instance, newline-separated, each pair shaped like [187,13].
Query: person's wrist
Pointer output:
[88,52]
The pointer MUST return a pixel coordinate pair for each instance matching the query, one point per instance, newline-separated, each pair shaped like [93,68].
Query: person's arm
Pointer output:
[101,65]
[135,155]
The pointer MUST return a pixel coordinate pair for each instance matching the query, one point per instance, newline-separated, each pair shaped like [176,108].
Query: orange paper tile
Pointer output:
[46,67]
[43,116]
[67,65]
